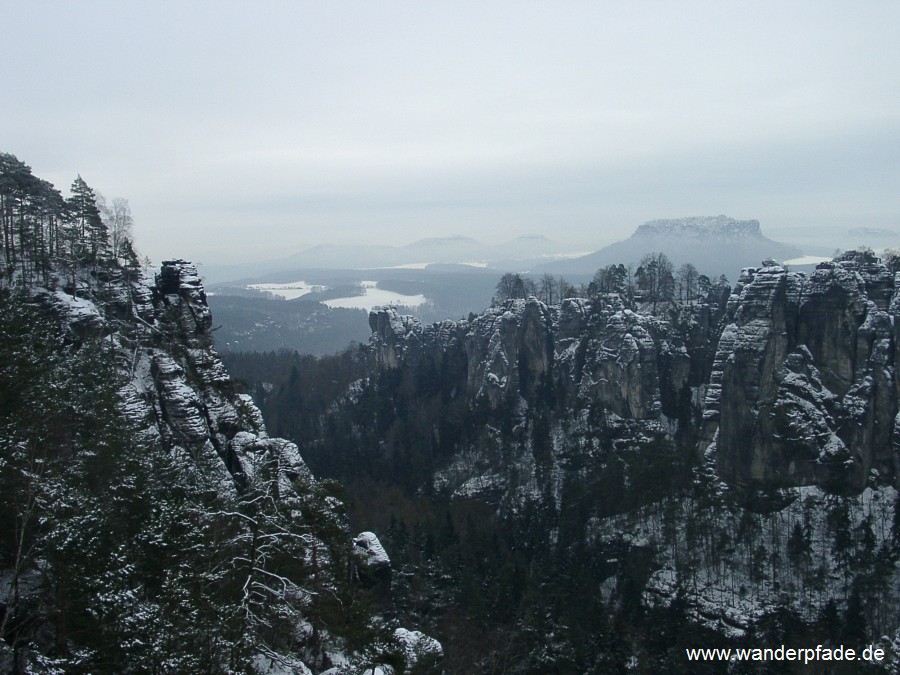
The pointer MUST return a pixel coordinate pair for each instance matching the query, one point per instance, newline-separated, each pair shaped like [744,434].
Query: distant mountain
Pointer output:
[453,249]
[875,236]
[430,251]
[444,244]
[714,244]
[330,256]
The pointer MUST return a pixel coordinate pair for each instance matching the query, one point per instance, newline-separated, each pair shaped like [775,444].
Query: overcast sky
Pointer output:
[254,130]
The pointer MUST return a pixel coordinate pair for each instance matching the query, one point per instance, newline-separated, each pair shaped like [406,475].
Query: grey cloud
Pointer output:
[305,122]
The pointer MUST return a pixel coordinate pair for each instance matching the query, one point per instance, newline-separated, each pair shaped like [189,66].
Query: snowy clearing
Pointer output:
[406,266]
[376,297]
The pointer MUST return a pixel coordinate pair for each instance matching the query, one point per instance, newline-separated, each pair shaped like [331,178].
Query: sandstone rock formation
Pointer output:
[793,383]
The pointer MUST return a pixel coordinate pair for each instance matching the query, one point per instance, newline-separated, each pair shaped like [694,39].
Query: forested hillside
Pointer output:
[148,523]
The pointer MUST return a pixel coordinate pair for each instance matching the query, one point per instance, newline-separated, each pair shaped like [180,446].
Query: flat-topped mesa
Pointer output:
[701,226]
[714,245]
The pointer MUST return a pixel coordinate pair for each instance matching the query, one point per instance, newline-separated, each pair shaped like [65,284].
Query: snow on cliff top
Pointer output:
[368,544]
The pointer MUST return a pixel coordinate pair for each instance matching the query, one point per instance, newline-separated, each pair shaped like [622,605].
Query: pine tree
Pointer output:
[89,238]
[17,185]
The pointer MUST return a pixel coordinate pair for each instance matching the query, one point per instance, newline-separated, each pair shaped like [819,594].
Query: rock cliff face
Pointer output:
[602,351]
[803,390]
[797,374]
[181,390]
[669,443]
[184,409]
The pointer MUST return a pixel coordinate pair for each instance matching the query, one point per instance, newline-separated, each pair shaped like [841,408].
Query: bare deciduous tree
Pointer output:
[118,221]
[655,278]
[687,282]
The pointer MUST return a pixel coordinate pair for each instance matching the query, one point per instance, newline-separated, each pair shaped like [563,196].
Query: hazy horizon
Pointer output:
[243,132]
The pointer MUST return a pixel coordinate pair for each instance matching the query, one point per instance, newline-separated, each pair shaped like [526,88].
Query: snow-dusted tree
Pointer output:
[31,399]
[89,238]
[18,190]
[119,222]
[687,282]
[655,279]
[547,289]
[510,286]
[610,279]
[31,214]
[891,258]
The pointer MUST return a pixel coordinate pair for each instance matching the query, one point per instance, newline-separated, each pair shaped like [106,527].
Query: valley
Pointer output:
[718,471]
[481,338]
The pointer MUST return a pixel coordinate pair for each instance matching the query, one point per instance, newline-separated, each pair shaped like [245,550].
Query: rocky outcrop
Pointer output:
[599,350]
[733,459]
[792,382]
[803,390]
[405,339]
[509,350]
[178,391]
[182,388]
[373,564]
[181,401]
[548,388]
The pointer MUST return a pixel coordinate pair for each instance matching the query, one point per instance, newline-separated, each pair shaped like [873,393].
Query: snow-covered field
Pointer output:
[290,290]
[376,297]
[407,266]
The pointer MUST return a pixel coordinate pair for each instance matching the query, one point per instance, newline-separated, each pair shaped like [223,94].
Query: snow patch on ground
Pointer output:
[373,297]
[476,486]
[806,260]
[77,308]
